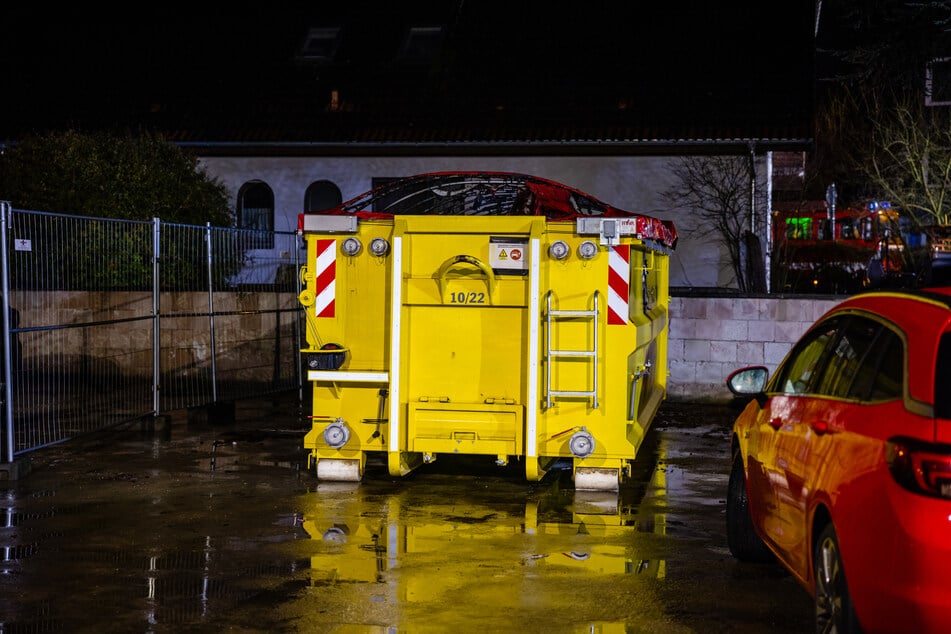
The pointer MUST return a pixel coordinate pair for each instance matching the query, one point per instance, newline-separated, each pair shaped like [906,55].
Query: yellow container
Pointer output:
[485,314]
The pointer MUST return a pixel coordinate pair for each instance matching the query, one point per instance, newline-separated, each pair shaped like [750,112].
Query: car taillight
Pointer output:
[920,467]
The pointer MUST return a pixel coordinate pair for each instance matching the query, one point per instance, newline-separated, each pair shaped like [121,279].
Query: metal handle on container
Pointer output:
[448,265]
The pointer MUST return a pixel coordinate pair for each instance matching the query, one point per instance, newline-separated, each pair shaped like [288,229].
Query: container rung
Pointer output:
[554,318]
[573,313]
[572,393]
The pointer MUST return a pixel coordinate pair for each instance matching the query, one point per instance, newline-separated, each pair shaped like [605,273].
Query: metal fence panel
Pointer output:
[110,321]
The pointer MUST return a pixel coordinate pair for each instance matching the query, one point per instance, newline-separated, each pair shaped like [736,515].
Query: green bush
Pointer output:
[133,177]
[111,187]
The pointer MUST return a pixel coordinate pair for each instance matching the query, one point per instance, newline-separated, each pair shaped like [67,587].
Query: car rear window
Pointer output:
[881,374]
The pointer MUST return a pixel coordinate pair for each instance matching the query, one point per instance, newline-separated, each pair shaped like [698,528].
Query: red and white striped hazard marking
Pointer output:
[326,278]
[619,283]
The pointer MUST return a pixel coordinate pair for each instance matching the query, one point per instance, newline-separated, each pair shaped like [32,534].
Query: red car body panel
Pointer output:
[808,456]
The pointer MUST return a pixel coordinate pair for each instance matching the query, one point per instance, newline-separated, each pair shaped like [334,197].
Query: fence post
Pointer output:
[7,348]
[211,314]
[299,318]
[156,316]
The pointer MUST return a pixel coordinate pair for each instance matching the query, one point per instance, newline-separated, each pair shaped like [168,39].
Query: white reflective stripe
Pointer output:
[326,259]
[396,302]
[325,298]
[534,319]
[357,377]
[617,303]
[327,256]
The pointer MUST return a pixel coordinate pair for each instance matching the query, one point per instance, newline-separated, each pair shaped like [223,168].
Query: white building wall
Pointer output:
[633,183]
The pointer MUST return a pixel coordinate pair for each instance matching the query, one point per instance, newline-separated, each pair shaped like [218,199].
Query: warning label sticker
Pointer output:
[508,255]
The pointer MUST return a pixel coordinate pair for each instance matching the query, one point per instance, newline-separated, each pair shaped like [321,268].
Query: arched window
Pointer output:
[322,195]
[256,212]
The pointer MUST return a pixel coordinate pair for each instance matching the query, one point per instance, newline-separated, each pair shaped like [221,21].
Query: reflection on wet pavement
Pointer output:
[197,528]
[501,550]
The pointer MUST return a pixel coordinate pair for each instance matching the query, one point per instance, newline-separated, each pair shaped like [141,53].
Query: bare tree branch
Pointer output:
[717,189]
[909,159]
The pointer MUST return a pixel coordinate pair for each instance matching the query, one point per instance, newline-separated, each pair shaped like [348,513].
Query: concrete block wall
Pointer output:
[712,336]
[709,337]
[245,332]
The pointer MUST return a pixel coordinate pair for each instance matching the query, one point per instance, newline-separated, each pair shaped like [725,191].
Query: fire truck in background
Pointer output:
[820,249]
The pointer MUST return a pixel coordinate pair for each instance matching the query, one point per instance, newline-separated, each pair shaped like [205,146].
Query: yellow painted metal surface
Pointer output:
[466,335]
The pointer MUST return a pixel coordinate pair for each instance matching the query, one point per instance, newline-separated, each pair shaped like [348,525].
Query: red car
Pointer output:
[842,463]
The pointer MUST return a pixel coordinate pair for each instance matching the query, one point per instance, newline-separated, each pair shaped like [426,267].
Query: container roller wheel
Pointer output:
[594,479]
[338,470]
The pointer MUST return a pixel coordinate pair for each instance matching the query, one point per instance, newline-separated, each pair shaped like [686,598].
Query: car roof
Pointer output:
[478,193]
[923,315]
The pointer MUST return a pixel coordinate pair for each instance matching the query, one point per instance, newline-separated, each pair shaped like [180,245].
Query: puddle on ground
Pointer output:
[204,528]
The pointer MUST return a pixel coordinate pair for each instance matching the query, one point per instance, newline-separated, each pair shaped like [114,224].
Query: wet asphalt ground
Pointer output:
[197,526]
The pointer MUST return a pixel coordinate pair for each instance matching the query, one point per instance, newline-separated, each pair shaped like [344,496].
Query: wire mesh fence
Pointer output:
[106,321]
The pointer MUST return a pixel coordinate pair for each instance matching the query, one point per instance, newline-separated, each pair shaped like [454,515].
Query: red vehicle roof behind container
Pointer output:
[493,194]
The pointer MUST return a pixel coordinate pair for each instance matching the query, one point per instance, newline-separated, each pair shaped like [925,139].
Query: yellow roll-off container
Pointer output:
[487,314]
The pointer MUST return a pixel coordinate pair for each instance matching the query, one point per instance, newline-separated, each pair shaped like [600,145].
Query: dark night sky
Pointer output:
[62,62]
[58,57]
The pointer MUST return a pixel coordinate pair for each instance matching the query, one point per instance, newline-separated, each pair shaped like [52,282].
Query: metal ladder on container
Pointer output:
[553,315]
